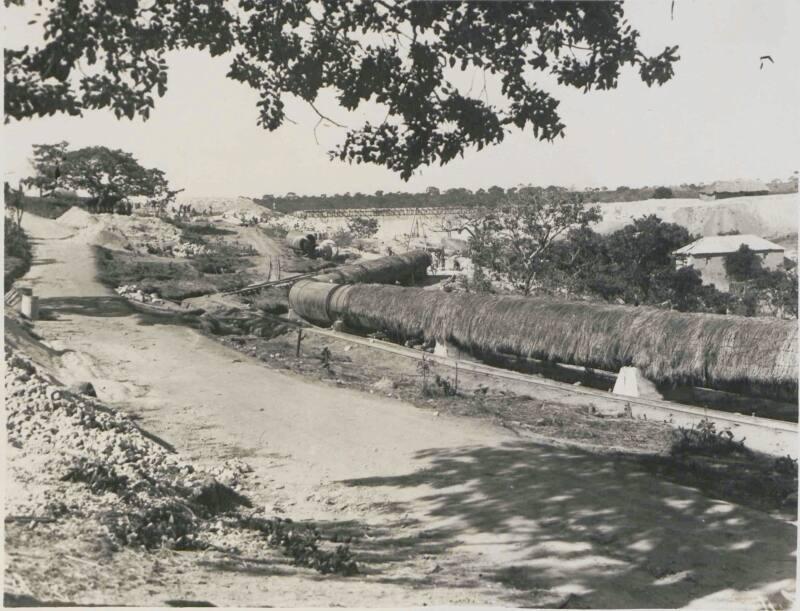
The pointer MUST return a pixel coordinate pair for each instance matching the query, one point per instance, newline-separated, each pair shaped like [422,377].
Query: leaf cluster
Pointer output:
[404,56]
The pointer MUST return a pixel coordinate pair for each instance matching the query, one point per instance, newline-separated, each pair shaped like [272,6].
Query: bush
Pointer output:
[662,193]
[704,438]
[362,227]
[272,300]
[18,253]
[743,264]
[196,233]
[51,207]
[214,264]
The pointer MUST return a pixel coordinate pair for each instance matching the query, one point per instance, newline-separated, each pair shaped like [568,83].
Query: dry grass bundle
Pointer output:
[701,349]
[408,267]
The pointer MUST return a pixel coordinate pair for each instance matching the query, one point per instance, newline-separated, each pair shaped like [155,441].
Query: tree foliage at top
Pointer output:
[406,56]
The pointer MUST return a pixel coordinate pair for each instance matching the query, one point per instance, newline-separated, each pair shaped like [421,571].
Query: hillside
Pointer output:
[766,216]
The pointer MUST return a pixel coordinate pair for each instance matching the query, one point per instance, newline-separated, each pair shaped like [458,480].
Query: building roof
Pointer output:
[725,244]
[735,186]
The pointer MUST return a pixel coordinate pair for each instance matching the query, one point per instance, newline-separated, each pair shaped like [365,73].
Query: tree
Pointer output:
[15,202]
[362,227]
[778,289]
[680,288]
[113,176]
[662,193]
[46,162]
[743,265]
[643,249]
[515,238]
[403,55]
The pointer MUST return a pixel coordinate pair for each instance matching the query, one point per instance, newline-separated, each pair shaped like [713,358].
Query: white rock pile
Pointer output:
[99,466]
[163,499]
[135,293]
[187,250]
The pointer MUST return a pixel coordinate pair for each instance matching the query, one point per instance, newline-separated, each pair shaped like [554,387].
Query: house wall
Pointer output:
[712,270]
[712,267]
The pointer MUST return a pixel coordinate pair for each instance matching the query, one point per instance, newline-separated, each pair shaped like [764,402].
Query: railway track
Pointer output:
[261,285]
[775,437]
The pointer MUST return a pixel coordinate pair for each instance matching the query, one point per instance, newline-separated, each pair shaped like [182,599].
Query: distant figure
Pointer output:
[456,265]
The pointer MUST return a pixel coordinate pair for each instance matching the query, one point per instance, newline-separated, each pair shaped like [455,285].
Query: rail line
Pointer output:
[775,437]
[261,285]
[407,211]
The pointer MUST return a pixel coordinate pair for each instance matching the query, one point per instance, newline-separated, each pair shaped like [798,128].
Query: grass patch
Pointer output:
[274,231]
[198,233]
[273,300]
[18,253]
[173,280]
[50,207]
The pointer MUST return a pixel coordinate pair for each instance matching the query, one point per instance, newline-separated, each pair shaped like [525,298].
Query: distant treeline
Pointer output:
[434,198]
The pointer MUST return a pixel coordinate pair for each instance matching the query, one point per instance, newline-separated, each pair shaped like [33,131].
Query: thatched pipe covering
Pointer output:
[407,267]
[708,350]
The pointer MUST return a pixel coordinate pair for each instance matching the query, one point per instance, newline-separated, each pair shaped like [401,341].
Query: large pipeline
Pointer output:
[714,351]
[406,268]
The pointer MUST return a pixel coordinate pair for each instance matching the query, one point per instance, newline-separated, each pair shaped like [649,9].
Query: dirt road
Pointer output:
[455,511]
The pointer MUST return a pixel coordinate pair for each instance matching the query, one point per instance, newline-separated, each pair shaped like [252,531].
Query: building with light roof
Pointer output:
[707,255]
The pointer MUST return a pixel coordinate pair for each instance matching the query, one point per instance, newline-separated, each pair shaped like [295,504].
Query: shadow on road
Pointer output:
[52,308]
[600,527]
[111,306]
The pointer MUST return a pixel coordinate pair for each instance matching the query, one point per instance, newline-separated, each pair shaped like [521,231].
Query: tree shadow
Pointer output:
[599,527]
[110,306]
[39,261]
[52,308]
[24,600]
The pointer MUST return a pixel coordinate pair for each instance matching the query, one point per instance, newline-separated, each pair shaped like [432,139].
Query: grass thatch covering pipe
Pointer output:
[408,267]
[708,350]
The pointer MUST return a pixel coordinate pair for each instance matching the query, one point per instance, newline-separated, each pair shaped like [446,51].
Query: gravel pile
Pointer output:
[102,467]
[187,250]
[132,291]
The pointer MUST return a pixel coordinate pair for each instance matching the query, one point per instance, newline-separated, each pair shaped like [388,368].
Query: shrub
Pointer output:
[362,227]
[272,301]
[99,476]
[18,253]
[51,207]
[214,264]
[196,233]
[704,438]
[743,264]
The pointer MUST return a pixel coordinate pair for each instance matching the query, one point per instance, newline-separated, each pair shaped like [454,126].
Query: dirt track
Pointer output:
[460,512]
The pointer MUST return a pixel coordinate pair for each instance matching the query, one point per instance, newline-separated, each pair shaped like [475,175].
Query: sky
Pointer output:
[720,117]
